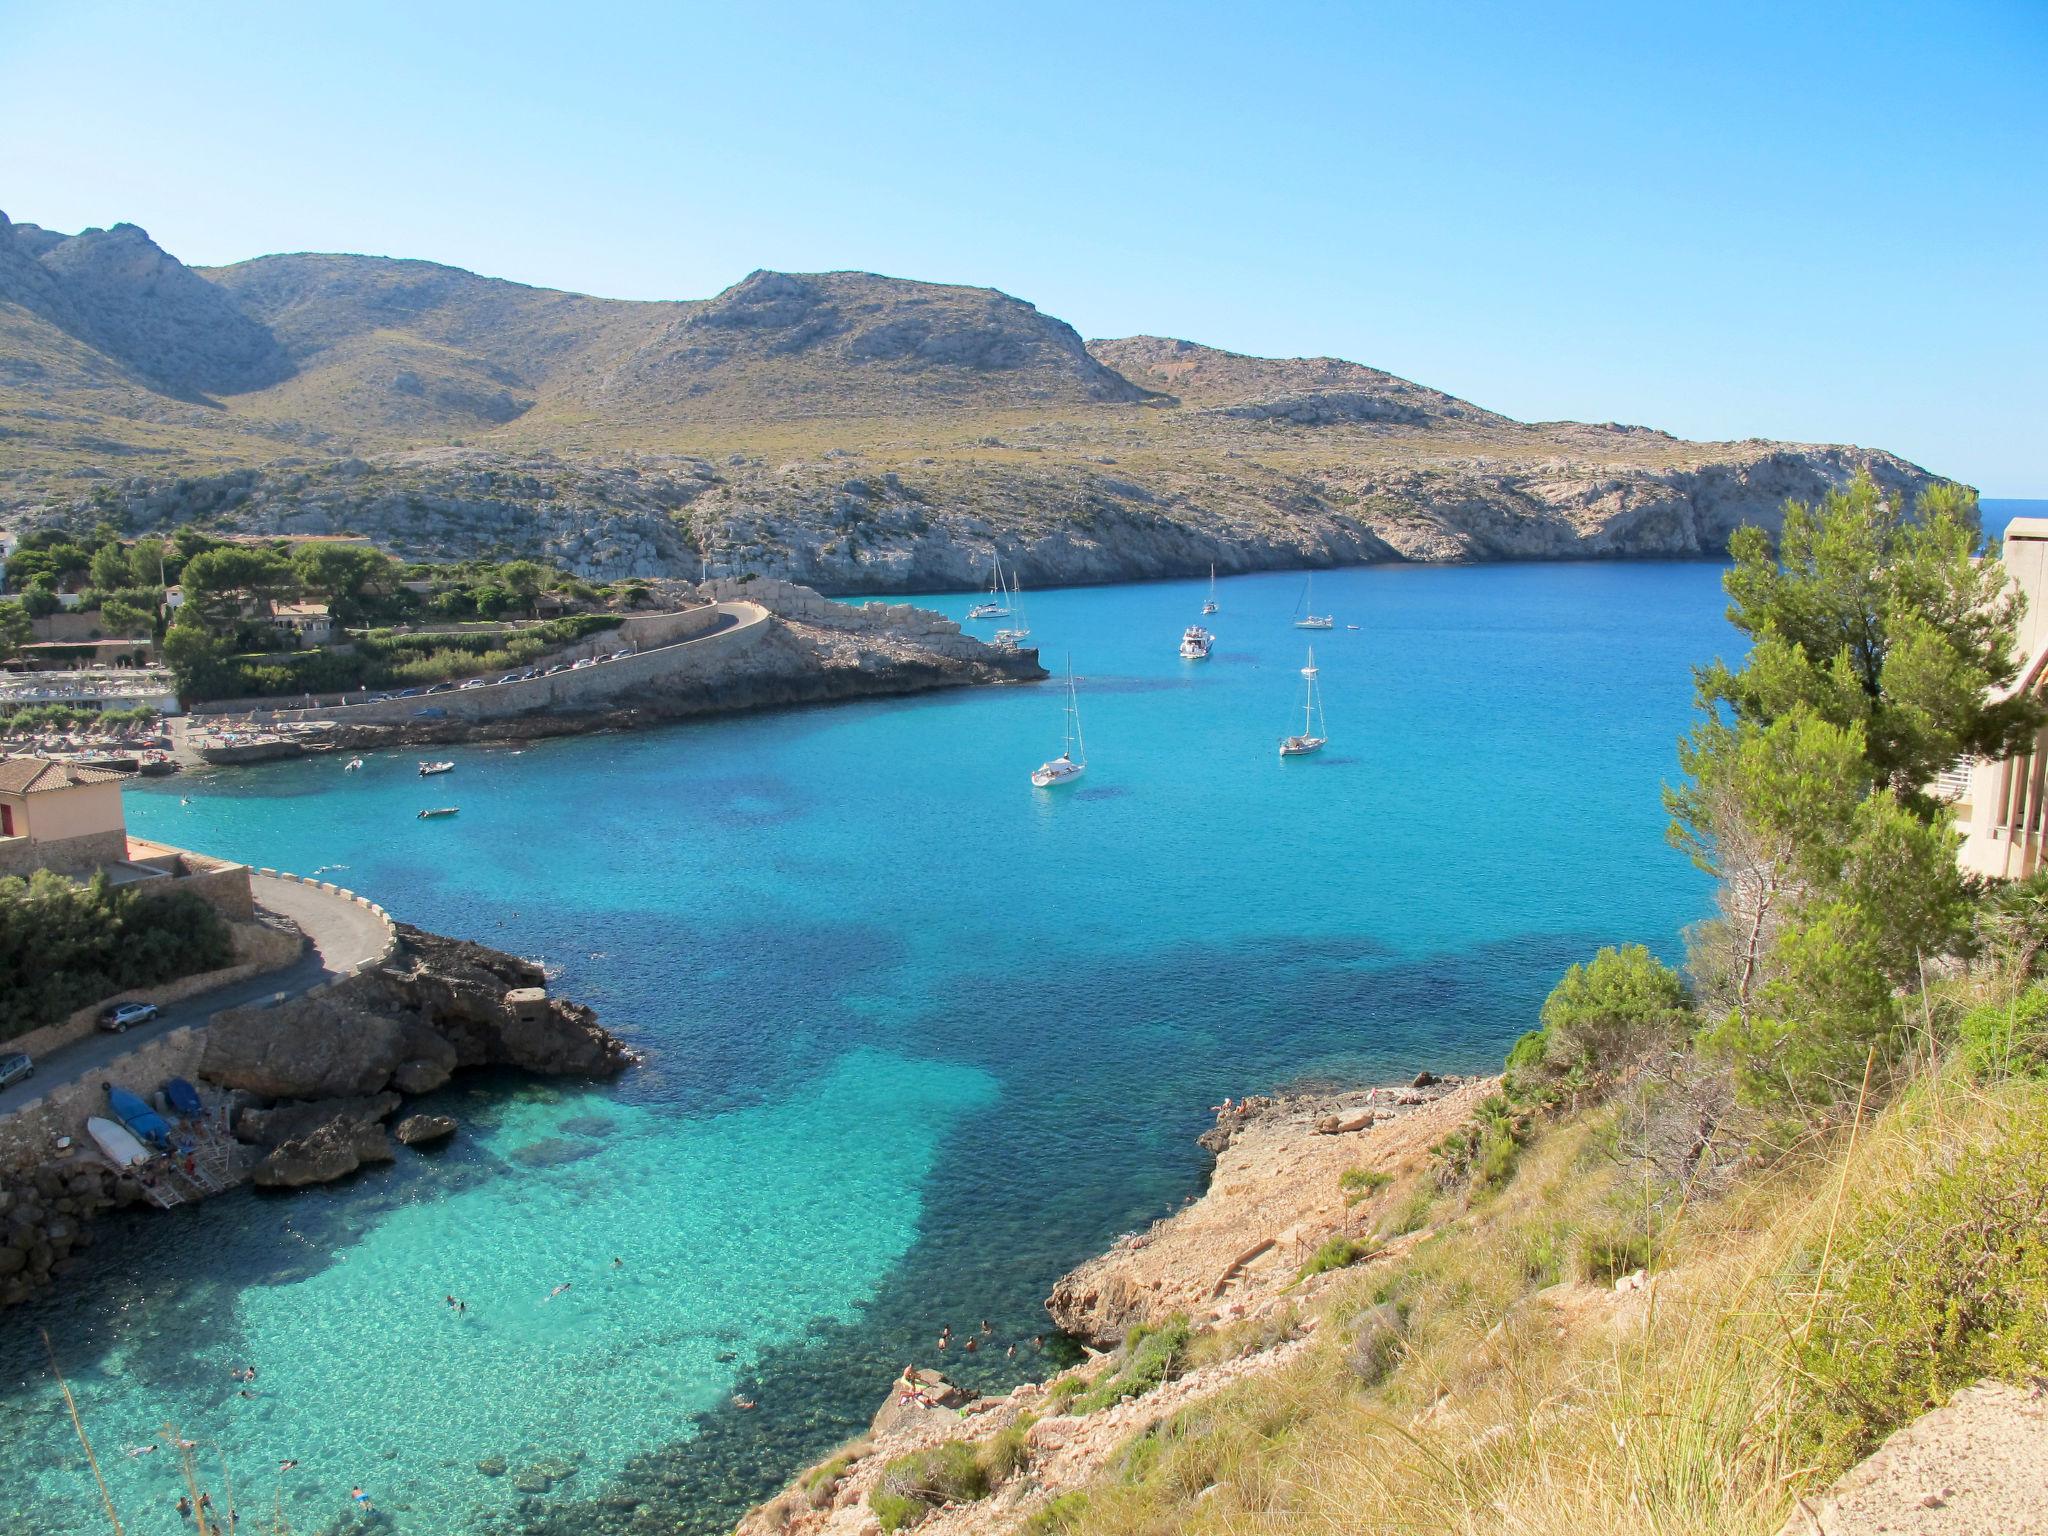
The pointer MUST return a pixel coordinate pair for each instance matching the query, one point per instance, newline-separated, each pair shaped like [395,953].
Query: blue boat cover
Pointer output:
[183,1097]
[145,1122]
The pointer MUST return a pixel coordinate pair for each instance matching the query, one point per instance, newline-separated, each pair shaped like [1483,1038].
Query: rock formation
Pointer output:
[446,415]
[438,1006]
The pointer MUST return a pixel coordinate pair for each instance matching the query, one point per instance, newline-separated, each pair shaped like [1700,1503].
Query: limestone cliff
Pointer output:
[851,432]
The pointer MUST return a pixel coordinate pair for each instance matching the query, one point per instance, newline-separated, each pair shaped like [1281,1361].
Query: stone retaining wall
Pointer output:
[701,652]
[67,855]
[258,948]
[29,1135]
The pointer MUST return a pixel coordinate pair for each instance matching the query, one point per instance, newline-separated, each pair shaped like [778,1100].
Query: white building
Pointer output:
[2002,807]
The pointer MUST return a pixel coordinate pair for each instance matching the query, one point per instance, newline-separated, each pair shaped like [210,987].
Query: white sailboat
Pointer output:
[1315,732]
[1016,633]
[1305,610]
[998,604]
[1209,605]
[1073,759]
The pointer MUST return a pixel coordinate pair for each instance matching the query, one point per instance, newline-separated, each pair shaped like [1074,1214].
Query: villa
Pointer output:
[68,819]
[2002,807]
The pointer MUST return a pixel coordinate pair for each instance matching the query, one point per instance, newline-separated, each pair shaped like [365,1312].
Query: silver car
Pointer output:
[15,1067]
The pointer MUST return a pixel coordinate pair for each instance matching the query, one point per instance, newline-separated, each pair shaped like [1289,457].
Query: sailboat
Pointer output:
[1209,605]
[1015,634]
[998,604]
[1314,732]
[1307,617]
[1073,759]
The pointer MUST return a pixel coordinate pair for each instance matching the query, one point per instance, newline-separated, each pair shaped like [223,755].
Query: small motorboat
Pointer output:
[439,810]
[353,765]
[428,770]
[134,1112]
[184,1098]
[122,1149]
[1194,645]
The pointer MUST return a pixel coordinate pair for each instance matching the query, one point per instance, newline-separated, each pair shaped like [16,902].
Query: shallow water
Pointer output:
[919,1037]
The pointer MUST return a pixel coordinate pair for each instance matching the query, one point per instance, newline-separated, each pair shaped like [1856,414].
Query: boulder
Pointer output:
[290,1122]
[420,1130]
[334,1151]
[419,1076]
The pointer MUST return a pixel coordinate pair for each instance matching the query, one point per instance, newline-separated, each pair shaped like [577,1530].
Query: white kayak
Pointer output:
[122,1149]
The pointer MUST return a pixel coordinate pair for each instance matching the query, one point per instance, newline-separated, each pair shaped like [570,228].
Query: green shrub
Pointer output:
[2008,1039]
[64,945]
[1601,1017]
[1004,1454]
[1067,1387]
[1362,1183]
[1605,1254]
[1061,1517]
[894,1511]
[1412,1214]
[1149,1357]
[1338,1253]
[912,1486]
[1940,1285]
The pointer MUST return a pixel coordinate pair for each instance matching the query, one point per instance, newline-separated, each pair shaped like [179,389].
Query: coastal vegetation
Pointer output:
[1727,1224]
[64,945]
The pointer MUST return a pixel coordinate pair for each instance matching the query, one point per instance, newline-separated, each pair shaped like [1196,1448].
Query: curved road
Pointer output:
[343,936]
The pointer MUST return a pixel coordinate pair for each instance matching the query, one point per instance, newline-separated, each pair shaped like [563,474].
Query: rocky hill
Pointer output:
[851,432]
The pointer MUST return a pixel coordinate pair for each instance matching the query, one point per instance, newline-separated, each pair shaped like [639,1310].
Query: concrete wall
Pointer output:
[70,856]
[219,883]
[258,948]
[702,651]
[30,1134]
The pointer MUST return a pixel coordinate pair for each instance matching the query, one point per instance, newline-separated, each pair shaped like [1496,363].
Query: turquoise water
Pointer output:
[918,1037]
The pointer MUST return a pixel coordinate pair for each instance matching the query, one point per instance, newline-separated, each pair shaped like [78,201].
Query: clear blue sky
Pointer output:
[1804,220]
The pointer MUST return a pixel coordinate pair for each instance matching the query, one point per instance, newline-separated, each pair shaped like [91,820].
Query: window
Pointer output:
[6,821]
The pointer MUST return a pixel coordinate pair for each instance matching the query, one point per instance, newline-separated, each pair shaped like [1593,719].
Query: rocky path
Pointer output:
[1977,1467]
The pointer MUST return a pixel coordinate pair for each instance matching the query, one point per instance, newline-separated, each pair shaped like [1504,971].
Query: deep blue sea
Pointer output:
[918,1037]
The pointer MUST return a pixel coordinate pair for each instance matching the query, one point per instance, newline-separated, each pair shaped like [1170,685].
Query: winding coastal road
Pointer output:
[343,935]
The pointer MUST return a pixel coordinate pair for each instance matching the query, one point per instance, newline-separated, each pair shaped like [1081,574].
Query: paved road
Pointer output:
[343,934]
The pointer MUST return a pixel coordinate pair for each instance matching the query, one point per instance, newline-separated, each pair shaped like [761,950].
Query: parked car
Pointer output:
[620,655]
[408,693]
[15,1067]
[579,666]
[560,666]
[474,682]
[442,688]
[511,677]
[116,1019]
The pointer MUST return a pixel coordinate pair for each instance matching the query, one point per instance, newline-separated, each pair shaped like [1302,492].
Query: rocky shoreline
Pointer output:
[814,651]
[299,1092]
[1230,1263]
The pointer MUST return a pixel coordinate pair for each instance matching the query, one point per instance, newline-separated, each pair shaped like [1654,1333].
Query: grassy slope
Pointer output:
[1700,1405]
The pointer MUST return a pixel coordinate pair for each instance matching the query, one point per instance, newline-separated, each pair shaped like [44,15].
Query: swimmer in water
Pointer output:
[551,1295]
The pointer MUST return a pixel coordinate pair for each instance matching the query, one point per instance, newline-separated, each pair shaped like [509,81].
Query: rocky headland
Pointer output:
[305,1086]
[846,431]
[1230,1263]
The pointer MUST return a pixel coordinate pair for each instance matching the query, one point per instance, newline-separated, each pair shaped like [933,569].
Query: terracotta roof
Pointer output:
[298,610]
[33,775]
